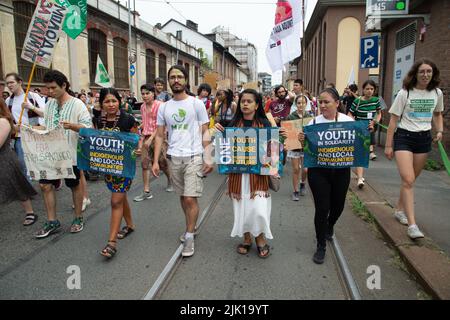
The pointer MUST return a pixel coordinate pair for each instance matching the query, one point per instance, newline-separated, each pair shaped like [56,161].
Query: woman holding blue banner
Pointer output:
[112,118]
[250,192]
[418,104]
[328,185]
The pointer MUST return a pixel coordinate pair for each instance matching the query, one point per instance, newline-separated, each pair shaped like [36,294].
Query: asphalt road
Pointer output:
[38,269]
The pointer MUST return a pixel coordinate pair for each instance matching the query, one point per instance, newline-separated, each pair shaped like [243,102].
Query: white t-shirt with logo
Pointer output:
[416,111]
[183,120]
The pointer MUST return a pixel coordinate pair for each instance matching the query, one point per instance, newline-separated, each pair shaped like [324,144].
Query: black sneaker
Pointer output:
[329,233]
[48,228]
[319,256]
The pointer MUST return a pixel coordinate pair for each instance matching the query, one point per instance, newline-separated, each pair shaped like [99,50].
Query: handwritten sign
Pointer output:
[47,153]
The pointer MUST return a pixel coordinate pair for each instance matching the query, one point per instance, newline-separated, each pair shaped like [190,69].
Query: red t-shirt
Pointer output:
[280,109]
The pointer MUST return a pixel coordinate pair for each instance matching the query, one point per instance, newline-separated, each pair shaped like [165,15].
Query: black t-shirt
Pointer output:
[347,102]
[131,101]
[125,122]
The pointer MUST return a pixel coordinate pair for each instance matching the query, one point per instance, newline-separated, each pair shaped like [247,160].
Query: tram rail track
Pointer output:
[348,284]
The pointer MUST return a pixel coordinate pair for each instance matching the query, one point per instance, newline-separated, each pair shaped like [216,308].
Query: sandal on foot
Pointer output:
[244,248]
[124,232]
[30,218]
[109,251]
[266,248]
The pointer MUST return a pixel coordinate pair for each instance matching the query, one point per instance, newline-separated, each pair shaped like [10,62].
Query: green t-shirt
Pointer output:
[365,109]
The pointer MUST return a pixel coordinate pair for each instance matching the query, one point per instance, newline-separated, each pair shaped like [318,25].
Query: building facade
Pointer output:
[331,46]
[225,63]
[106,35]
[245,51]
[266,81]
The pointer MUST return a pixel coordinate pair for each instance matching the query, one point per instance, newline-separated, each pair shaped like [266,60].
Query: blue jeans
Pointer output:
[19,151]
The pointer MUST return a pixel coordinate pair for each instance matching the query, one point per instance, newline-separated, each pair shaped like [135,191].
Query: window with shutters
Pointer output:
[150,65]
[23,12]
[96,46]
[162,67]
[186,66]
[196,76]
[406,36]
[120,63]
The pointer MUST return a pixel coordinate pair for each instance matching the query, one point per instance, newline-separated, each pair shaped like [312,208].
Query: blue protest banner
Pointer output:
[248,150]
[107,152]
[337,145]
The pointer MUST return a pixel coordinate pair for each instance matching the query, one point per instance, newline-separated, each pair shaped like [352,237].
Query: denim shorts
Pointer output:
[415,142]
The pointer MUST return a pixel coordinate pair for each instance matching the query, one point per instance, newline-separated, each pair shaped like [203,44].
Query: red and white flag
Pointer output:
[284,41]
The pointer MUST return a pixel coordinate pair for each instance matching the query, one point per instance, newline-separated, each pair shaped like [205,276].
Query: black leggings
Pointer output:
[329,188]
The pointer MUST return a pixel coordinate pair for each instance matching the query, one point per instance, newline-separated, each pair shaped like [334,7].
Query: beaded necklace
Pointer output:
[104,121]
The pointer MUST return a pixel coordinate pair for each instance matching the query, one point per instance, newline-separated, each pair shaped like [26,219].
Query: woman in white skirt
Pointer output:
[250,192]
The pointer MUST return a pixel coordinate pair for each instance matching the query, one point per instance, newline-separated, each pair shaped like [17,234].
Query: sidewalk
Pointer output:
[428,259]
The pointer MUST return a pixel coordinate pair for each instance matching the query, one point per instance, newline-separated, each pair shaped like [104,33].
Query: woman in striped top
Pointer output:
[367,107]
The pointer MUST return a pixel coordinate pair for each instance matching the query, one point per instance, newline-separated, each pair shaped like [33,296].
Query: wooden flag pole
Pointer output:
[26,92]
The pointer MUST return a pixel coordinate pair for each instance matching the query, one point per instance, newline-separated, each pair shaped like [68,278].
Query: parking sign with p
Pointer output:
[369,52]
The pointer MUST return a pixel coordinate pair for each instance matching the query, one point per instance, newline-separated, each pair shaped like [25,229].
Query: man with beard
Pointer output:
[281,107]
[186,121]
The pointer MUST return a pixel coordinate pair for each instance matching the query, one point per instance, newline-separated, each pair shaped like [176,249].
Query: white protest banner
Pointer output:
[43,32]
[47,153]
[284,41]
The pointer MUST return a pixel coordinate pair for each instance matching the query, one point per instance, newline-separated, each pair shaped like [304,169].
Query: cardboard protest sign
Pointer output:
[47,153]
[293,127]
[337,145]
[248,150]
[108,152]
[43,32]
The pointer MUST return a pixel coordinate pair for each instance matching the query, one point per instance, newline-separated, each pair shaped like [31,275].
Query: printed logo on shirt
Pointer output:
[179,117]
[421,108]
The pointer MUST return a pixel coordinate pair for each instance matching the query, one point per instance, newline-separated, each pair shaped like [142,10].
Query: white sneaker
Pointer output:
[143,196]
[414,232]
[360,183]
[169,188]
[401,217]
[86,203]
[183,236]
[188,248]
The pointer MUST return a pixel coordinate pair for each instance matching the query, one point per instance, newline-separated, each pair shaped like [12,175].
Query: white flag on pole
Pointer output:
[284,41]
[101,74]
[351,77]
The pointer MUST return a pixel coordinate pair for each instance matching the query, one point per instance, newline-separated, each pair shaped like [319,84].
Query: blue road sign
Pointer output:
[132,70]
[369,52]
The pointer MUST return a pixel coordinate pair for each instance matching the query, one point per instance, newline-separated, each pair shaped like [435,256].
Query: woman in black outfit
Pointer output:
[328,185]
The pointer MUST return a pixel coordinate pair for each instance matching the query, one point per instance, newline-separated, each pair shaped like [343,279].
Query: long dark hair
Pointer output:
[410,80]
[4,113]
[105,91]
[260,115]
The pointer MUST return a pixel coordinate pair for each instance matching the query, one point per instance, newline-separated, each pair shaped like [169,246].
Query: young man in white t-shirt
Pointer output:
[15,103]
[187,123]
